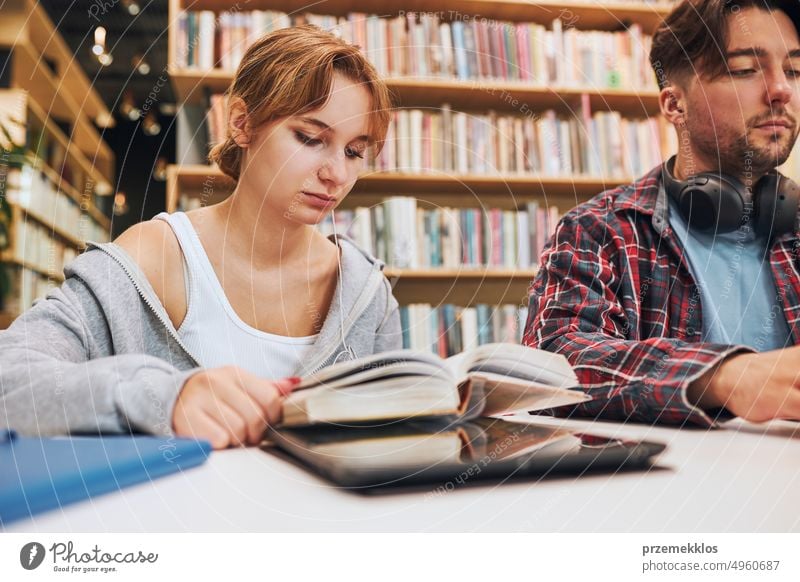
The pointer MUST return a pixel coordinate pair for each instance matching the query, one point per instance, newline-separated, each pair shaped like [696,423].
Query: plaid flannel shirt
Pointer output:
[615,296]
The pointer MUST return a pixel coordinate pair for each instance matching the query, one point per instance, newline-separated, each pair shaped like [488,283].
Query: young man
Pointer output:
[677,298]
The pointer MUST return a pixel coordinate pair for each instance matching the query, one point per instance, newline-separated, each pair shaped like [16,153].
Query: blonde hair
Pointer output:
[290,72]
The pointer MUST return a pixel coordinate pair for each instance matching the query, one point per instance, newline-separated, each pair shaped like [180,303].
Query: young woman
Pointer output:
[197,324]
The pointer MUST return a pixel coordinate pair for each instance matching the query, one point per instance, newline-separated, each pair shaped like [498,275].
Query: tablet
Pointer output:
[450,455]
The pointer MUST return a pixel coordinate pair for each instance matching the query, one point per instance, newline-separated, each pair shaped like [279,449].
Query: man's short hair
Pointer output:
[693,38]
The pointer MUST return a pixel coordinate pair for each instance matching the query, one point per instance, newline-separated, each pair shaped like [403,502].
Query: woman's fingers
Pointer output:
[197,424]
[229,406]
[269,394]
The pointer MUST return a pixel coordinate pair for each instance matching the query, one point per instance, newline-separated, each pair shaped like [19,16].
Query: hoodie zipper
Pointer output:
[363,300]
[168,326]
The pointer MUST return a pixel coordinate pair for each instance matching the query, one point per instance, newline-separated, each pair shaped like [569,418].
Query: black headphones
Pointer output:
[715,202]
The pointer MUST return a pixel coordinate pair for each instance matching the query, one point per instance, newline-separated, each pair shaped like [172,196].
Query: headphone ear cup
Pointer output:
[711,204]
[776,205]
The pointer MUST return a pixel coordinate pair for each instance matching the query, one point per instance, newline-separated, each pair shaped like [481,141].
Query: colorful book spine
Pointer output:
[600,144]
[407,237]
[448,329]
[425,45]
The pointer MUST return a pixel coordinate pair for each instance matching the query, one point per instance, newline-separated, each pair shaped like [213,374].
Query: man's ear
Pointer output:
[239,122]
[671,101]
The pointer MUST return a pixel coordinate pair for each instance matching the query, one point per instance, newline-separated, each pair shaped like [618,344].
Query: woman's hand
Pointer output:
[229,406]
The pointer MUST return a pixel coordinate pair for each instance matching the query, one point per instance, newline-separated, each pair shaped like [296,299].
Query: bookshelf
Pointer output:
[59,163]
[191,178]
[432,93]
[445,189]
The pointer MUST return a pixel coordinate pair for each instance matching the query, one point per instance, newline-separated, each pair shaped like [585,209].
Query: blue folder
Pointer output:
[38,474]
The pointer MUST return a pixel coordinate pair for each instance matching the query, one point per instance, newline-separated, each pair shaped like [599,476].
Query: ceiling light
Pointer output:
[120,203]
[99,46]
[131,6]
[127,107]
[150,125]
[141,65]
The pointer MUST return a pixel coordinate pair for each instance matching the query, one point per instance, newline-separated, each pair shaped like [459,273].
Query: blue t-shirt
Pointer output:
[737,291]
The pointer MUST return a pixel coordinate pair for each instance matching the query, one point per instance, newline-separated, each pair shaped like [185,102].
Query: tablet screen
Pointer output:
[406,452]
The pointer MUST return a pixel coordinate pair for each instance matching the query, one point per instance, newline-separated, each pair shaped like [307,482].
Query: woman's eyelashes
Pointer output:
[350,152]
[354,153]
[307,140]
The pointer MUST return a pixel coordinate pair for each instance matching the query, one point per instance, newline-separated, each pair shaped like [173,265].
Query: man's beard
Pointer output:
[739,154]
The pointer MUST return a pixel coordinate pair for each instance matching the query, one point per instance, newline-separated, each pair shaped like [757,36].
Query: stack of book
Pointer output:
[446,330]
[407,237]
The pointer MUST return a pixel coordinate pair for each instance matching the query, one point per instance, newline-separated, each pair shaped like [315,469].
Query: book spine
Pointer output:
[460,57]
[419,44]
[449,329]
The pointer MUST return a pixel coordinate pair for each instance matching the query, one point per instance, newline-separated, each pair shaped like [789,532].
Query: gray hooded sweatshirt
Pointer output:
[100,354]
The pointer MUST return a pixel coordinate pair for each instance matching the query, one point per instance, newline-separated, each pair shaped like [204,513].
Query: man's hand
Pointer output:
[229,406]
[755,387]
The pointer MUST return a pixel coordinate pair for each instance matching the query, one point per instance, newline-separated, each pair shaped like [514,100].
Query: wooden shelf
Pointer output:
[46,89]
[25,22]
[45,37]
[86,165]
[524,187]
[18,99]
[582,15]
[8,259]
[465,273]
[480,94]
[29,73]
[465,286]
[516,96]
[49,224]
[447,189]
[63,186]
[6,319]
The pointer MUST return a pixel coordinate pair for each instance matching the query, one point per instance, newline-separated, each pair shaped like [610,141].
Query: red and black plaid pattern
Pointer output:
[616,298]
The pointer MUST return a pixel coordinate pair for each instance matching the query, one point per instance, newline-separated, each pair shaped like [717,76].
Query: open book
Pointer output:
[489,380]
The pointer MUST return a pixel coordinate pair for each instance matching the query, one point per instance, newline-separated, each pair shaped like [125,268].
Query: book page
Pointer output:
[516,361]
[422,370]
[418,362]
[396,398]
[504,395]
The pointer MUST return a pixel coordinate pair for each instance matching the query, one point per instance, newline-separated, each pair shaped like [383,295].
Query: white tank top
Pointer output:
[213,332]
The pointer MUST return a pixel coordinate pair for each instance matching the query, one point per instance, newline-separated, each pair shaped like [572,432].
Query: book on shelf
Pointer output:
[27,285]
[490,380]
[590,144]
[216,118]
[48,229]
[405,236]
[599,144]
[448,329]
[30,188]
[425,45]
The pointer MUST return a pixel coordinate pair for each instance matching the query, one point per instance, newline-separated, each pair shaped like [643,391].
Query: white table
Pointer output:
[742,478]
